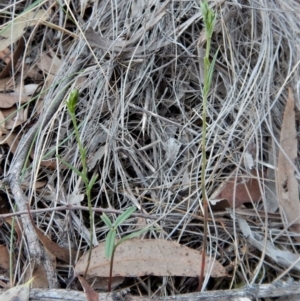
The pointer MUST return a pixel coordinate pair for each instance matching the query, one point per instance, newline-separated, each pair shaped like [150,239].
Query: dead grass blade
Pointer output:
[91,295]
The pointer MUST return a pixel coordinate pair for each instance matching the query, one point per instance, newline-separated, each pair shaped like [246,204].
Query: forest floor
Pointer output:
[103,142]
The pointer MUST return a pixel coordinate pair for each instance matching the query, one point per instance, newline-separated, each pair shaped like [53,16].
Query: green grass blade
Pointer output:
[80,174]
[133,235]
[211,68]
[107,221]
[92,181]
[124,216]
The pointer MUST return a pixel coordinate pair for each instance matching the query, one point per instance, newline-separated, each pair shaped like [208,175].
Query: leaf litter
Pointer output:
[287,184]
[156,257]
[19,292]
[141,92]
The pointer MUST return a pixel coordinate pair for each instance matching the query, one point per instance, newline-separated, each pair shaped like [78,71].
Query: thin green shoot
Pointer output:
[89,183]
[209,19]
[110,241]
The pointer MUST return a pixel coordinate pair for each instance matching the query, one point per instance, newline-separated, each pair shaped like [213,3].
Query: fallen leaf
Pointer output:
[238,190]
[10,221]
[5,208]
[11,65]
[157,257]
[5,55]
[11,140]
[12,32]
[6,84]
[2,124]
[287,185]
[91,295]
[8,100]
[49,64]
[37,272]
[17,293]
[4,258]
[52,247]
[14,117]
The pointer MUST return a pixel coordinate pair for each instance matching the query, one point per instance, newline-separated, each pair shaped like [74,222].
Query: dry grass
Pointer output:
[140,105]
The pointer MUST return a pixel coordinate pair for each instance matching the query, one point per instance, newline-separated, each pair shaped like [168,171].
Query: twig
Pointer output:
[74,207]
[251,292]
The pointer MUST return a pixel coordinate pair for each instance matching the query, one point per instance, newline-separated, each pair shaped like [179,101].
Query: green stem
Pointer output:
[209,19]
[82,152]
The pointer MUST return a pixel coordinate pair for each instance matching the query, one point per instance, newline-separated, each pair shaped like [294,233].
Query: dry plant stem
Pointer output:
[82,208]
[36,253]
[252,292]
[11,253]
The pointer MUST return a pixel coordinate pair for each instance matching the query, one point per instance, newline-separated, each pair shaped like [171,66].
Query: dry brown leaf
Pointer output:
[4,258]
[287,185]
[91,295]
[10,221]
[36,271]
[52,247]
[49,64]
[157,257]
[5,208]
[2,124]
[11,141]
[6,84]
[238,190]
[15,30]
[14,117]
[8,100]
[5,55]
[11,65]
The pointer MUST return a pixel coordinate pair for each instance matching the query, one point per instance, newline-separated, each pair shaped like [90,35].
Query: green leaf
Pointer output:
[92,181]
[133,235]
[211,68]
[80,174]
[110,243]
[124,216]
[107,221]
